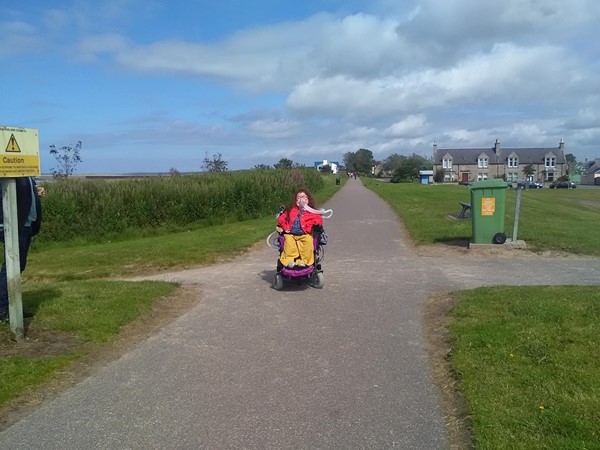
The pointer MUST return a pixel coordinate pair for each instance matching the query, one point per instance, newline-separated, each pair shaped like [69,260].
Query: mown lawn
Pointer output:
[527,361]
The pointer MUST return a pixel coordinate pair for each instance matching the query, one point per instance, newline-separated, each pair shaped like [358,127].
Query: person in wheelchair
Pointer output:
[296,224]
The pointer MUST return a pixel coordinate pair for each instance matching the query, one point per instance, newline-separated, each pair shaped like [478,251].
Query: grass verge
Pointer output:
[526,358]
[67,316]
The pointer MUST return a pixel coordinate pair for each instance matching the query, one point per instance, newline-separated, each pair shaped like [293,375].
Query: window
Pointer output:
[482,163]
[513,162]
[447,163]
[512,176]
[550,176]
[550,161]
[482,176]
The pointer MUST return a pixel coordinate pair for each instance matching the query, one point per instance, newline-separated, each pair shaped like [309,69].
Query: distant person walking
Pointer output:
[29,217]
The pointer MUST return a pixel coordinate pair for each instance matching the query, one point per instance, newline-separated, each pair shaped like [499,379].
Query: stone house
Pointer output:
[592,172]
[478,164]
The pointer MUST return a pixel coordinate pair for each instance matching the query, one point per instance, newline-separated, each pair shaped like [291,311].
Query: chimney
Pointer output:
[561,145]
[497,147]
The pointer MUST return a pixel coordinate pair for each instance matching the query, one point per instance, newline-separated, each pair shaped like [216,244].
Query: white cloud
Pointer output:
[359,133]
[273,129]
[411,126]
[506,74]
[92,47]
[276,57]
[17,38]
[585,119]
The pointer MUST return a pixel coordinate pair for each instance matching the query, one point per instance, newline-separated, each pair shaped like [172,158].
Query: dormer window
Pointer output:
[513,162]
[482,162]
[550,161]
[447,163]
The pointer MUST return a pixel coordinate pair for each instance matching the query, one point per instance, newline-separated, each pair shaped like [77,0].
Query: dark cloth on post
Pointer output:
[29,218]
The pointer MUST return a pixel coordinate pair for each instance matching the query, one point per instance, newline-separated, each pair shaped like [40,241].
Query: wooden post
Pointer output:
[12,258]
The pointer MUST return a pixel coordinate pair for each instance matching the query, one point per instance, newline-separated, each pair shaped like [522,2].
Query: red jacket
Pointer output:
[307,220]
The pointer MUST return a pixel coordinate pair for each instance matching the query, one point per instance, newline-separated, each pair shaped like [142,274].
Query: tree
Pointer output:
[326,169]
[284,163]
[360,161]
[261,167]
[529,170]
[392,162]
[216,164]
[573,167]
[67,158]
[173,172]
[409,167]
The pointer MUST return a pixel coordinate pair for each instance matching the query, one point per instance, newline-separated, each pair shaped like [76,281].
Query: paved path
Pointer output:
[250,367]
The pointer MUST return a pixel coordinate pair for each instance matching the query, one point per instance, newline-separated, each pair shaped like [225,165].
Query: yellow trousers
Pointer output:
[298,249]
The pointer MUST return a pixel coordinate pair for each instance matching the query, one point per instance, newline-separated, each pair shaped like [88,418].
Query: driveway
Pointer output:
[249,367]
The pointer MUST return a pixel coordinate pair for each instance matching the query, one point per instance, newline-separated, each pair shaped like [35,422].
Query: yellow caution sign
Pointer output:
[19,152]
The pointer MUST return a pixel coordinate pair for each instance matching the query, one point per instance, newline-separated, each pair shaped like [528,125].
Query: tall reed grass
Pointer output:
[95,209]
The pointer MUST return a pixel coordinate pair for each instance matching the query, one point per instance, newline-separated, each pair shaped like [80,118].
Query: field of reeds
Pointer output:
[94,210]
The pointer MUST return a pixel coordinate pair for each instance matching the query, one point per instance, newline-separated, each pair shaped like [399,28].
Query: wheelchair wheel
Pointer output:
[318,280]
[278,282]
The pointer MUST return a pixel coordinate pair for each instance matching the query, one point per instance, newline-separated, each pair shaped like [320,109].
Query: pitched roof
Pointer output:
[526,155]
[592,166]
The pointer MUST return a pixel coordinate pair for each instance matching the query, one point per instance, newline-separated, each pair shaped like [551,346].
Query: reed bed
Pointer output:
[97,209]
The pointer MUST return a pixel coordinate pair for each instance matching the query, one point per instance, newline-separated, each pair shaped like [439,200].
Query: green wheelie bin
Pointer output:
[488,203]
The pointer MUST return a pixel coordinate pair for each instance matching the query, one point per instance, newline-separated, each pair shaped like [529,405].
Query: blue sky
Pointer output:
[150,85]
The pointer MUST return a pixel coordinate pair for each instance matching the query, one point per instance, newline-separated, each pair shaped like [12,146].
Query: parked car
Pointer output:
[530,185]
[464,183]
[563,185]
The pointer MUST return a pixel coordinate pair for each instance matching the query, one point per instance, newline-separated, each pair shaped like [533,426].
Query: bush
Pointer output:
[93,209]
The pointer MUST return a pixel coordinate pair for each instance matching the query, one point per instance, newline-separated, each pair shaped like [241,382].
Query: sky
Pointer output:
[155,85]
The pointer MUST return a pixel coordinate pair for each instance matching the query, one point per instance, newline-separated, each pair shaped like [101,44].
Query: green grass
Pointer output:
[20,373]
[550,219]
[92,311]
[75,313]
[527,359]
[147,254]
[163,251]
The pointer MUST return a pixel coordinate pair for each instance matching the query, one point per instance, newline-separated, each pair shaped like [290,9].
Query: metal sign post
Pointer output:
[19,157]
[517,211]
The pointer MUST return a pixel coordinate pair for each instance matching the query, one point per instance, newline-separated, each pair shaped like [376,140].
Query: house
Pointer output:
[333,164]
[478,164]
[591,173]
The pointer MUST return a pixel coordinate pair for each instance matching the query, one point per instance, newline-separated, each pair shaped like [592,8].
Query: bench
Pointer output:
[465,213]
